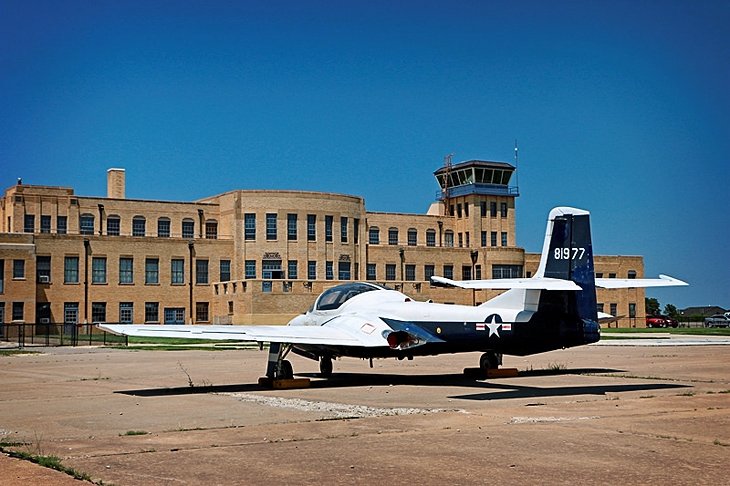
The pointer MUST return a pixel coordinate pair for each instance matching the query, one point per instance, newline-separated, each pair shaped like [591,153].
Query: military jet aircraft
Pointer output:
[554,309]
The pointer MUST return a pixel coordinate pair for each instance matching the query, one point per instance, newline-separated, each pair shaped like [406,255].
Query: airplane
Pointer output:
[554,309]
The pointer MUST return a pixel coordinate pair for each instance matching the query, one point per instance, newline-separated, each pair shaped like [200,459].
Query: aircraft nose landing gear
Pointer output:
[325,366]
[279,371]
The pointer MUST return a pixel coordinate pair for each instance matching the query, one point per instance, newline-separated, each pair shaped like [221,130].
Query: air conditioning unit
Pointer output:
[44,279]
[45,320]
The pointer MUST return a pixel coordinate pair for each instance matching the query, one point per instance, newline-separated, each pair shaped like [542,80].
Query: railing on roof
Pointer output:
[486,189]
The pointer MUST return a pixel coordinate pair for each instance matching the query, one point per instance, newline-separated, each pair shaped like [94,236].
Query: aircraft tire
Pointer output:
[287,371]
[488,361]
[325,366]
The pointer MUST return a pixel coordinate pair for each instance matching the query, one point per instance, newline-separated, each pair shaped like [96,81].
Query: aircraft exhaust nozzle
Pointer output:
[402,340]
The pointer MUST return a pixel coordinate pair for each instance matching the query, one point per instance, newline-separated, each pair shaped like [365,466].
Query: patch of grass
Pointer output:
[16,352]
[686,394]
[51,462]
[557,367]
[647,396]
[724,391]
[695,331]
[135,432]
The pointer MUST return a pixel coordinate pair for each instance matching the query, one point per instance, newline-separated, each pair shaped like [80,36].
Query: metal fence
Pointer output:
[31,334]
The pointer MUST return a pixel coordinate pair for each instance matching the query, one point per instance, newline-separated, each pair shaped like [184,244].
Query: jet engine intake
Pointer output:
[402,340]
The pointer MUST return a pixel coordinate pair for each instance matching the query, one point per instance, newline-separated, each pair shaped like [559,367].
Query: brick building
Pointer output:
[250,256]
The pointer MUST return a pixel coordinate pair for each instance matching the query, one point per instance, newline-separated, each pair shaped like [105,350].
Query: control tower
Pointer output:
[478,196]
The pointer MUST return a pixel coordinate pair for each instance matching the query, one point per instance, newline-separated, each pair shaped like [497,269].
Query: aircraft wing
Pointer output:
[323,335]
[625,283]
[534,283]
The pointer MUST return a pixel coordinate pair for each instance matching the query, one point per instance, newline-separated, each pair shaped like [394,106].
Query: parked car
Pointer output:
[718,320]
[661,321]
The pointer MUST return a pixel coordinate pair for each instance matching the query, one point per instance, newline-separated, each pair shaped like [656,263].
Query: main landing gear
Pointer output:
[489,361]
[325,366]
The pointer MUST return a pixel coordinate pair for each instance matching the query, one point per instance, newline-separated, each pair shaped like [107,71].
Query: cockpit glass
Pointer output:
[336,296]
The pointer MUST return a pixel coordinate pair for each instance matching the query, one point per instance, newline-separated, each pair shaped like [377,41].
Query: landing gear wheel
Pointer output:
[489,361]
[286,372]
[325,366]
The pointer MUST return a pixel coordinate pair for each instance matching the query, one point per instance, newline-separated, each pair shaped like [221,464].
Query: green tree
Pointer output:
[652,306]
[671,311]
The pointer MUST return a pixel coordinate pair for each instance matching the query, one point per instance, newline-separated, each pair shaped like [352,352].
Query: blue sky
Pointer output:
[619,107]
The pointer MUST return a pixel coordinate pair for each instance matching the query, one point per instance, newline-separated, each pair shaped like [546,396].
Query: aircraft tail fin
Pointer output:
[568,255]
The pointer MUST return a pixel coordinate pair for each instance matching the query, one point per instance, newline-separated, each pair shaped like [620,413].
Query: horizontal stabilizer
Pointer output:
[626,283]
[534,283]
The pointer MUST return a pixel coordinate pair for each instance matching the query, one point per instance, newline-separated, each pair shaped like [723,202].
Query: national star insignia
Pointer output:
[493,328]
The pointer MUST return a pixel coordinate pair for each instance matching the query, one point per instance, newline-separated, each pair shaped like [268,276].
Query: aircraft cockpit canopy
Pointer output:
[336,296]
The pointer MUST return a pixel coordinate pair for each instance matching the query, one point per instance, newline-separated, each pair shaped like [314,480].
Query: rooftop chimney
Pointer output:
[115,183]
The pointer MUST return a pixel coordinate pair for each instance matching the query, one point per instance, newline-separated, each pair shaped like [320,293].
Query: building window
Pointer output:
[311,227]
[599,274]
[18,269]
[126,312]
[461,240]
[484,238]
[343,229]
[71,270]
[2,278]
[188,228]
[412,237]
[152,271]
[291,227]
[152,312]
[374,235]
[506,271]
[410,272]
[389,271]
[343,270]
[504,238]
[249,226]
[201,272]
[177,271]
[449,238]
[503,209]
[467,238]
[493,238]
[163,227]
[86,224]
[611,275]
[211,229]
[312,270]
[465,272]
[483,208]
[632,310]
[371,270]
[429,271]
[250,268]
[478,271]
[493,209]
[201,312]
[393,236]
[291,268]
[466,209]
[328,228]
[449,271]
[632,274]
[61,225]
[98,312]
[113,224]
[329,271]
[98,270]
[45,224]
[614,309]
[430,237]
[225,273]
[29,223]
[43,269]
[126,270]
[458,210]
[18,311]
[356,230]
[599,307]
[270,226]
[138,226]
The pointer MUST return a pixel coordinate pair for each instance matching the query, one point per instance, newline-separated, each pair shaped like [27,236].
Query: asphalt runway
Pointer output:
[591,415]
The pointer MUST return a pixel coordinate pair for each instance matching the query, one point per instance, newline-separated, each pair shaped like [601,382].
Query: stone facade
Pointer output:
[250,256]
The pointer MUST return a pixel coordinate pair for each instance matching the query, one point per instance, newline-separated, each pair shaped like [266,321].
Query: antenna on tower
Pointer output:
[517,172]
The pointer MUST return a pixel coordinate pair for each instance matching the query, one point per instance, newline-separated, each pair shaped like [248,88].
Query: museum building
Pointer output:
[259,256]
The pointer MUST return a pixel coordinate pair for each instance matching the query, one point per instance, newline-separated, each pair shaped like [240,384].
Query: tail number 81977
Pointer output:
[569,253]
